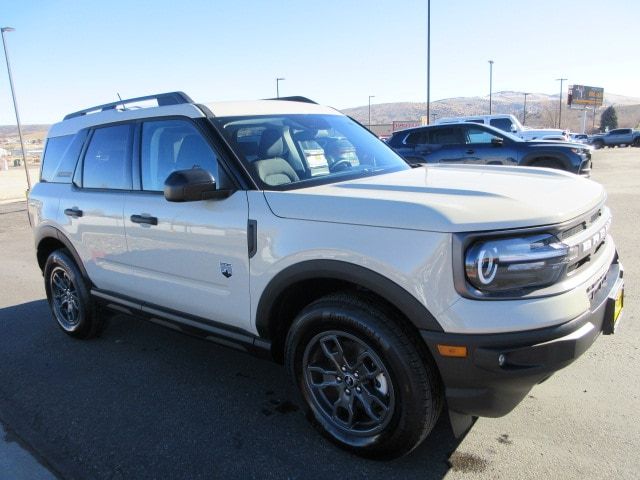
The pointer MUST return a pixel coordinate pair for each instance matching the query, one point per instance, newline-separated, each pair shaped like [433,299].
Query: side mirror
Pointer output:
[496,141]
[191,186]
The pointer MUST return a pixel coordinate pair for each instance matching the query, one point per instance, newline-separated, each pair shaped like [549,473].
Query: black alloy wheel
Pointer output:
[68,296]
[366,379]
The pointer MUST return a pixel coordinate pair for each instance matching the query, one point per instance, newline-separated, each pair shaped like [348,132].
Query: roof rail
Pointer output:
[170,98]
[295,98]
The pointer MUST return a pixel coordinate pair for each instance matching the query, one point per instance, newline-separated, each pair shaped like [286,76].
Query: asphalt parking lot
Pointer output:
[143,402]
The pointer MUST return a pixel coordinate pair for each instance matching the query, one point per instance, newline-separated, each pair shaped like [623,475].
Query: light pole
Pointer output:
[434,115]
[490,83]
[428,57]
[370,97]
[524,110]
[278,86]
[560,102]
[3,30]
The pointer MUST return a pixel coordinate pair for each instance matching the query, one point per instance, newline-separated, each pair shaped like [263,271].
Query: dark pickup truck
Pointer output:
[482,144]
[617,138]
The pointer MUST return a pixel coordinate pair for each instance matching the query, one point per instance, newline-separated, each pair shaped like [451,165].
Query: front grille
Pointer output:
[586,239]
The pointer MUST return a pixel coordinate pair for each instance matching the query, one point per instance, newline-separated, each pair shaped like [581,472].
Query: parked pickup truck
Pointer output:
[617,138]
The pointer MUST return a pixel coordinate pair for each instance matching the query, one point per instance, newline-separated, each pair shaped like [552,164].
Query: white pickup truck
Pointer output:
[509,123]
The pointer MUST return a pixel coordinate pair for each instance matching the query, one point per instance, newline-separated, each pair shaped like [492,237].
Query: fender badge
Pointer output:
[225,269]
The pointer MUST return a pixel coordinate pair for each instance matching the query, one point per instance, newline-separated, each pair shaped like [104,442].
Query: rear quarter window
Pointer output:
[60,158]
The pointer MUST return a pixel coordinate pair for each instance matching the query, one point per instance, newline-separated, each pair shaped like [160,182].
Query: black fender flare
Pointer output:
[393,293]
[532,158]
[43,232]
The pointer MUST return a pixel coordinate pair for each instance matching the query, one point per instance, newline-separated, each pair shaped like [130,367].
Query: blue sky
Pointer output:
[67,55]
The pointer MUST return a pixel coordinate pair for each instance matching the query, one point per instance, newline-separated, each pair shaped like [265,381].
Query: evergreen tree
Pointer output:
[609,119]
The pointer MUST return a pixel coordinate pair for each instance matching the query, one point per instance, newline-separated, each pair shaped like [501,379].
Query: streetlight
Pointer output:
[524,110]
[278,86]
[428,57]
[490,83]
[560,102]
[15,103]
[370,97]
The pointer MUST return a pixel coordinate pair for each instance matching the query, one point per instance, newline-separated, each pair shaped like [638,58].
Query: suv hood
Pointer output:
[445,198]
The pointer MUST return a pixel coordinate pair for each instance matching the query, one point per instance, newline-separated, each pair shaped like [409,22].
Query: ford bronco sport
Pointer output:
[285,228]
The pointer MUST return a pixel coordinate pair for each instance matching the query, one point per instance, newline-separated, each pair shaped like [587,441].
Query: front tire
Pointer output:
[68,296]
[367,382]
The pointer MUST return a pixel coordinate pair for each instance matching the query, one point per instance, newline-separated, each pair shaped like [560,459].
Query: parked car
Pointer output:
[579,138]
[617,138]
[510,124]
[390,293]
[481,144]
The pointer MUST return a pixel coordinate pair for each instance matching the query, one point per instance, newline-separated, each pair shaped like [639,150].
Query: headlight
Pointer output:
[504,264]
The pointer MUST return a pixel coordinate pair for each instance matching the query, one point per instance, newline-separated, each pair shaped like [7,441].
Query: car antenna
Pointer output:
[123,104]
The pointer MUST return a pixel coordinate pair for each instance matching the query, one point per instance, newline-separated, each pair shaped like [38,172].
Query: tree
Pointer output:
[609,119]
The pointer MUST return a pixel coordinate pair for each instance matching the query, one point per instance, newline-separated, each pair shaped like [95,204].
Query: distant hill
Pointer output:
[542,110]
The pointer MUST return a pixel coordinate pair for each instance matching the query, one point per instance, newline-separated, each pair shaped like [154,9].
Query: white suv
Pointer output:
[285,228]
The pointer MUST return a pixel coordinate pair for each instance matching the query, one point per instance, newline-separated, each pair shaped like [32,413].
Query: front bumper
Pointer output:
[500,369]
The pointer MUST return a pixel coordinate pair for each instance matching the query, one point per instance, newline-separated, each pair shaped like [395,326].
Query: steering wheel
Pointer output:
[343,164]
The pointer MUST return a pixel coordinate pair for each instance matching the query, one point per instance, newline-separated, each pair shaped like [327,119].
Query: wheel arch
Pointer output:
[531,159]
[300,284]
[48,239]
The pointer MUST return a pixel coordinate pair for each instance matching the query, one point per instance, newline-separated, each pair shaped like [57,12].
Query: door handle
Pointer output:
[144,219]
[470,152]
[74,212]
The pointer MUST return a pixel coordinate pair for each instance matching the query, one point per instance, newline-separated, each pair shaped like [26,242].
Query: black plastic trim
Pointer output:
[338,270]
[43,232]
[252,237]
[190,324]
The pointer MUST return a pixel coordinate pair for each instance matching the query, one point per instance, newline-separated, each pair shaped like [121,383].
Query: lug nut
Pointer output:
[358,389]
[356,374]
[344,369]
[347,391]
[338,379]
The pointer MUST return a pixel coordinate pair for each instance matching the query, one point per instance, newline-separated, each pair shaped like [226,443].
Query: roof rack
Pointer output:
[295,98]
[163,99]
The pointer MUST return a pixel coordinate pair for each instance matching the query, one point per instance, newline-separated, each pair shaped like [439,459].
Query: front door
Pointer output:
[189,257]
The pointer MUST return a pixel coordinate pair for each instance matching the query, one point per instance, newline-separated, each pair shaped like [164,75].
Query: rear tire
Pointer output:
[367,383]
[68,296]
[598,145]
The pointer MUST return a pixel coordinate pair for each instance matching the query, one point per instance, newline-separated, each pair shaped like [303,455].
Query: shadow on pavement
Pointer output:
[146,402]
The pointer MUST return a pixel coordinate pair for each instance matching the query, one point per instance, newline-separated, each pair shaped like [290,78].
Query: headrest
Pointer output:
[271,144]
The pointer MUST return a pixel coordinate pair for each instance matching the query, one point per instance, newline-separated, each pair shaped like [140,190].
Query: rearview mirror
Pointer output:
[191,186]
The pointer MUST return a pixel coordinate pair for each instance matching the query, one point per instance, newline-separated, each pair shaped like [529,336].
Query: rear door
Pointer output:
[482,149]
[90,212]
[189,257]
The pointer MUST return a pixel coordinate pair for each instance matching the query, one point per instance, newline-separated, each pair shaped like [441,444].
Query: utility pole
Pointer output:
[3,30]
[370,97]
[490,83]
[524,110]
[428,57]
[560,102]
[278,86]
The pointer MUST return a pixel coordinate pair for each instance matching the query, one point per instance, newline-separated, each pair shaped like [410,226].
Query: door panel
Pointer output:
[184,261]
[97,234]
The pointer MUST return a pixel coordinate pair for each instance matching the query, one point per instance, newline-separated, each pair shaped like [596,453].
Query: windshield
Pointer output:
[293,151]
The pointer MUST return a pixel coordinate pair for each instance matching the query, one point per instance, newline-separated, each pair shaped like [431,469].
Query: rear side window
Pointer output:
[60,158]
[446,136]
[503,124]
[420,137]
[170,145]
[107,161]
